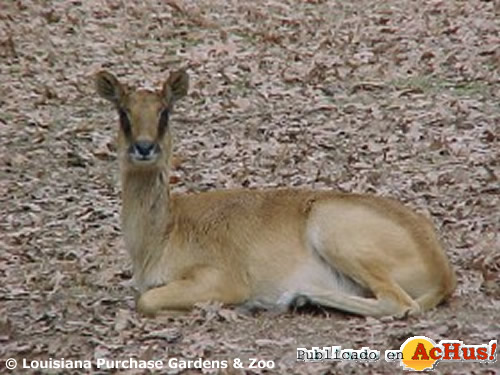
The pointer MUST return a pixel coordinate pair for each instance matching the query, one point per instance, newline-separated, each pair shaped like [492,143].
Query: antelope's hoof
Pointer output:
[145,306]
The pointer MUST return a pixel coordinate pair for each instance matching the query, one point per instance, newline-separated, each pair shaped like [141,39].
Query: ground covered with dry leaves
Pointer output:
[398,98]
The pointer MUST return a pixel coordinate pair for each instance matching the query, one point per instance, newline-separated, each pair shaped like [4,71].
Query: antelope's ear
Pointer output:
[176,86]
[108,87]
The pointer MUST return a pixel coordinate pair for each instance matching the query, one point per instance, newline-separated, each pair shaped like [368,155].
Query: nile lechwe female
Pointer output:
[361,254]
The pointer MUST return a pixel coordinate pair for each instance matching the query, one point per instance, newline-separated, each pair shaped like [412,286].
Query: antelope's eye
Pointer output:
[124,121]
[164,118]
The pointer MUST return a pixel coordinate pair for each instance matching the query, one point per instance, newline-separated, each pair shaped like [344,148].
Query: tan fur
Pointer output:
[357,253]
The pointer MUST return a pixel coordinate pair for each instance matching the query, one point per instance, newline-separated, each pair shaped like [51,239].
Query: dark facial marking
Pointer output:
[125,123]
[163,123]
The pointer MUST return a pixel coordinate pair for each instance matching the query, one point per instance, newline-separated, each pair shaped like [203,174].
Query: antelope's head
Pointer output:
[144,138]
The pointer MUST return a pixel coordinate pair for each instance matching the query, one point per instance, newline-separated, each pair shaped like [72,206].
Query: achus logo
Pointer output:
[419,353]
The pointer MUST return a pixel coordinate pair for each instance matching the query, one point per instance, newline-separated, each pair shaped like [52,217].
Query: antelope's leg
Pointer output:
[389,297]
[381,305]
[201,284]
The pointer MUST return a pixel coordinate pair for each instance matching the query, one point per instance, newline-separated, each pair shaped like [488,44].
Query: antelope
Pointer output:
[272,249]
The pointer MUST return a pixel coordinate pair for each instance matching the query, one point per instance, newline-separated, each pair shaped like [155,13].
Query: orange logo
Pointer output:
[415,355]
[421,353]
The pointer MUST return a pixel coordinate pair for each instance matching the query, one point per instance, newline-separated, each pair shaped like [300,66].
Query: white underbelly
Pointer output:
[312,275]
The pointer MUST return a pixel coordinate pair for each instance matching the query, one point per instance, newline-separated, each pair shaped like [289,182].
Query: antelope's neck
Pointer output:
[145,216]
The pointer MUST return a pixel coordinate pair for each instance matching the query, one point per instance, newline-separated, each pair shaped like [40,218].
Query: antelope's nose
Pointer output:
[144,148]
